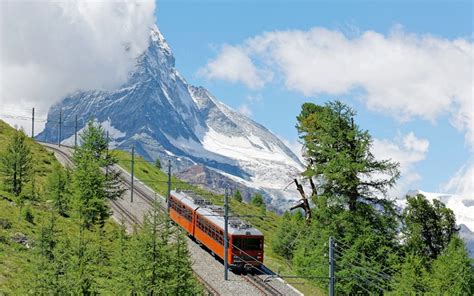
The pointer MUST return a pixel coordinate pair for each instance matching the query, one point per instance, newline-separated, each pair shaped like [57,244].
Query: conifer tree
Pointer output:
[290,229]
[412,277]
[238,196]
[122,263]
[92,188]
[16,163]
[338,155]
[50,266]
[183,279]
[428,228]
[58,189]
[158,164]
[258,200]
[452,272]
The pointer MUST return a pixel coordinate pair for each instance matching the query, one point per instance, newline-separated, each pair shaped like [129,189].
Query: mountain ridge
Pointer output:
[164,117]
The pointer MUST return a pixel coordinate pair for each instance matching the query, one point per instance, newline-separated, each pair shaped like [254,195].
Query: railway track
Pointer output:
[132,219]
[262,286]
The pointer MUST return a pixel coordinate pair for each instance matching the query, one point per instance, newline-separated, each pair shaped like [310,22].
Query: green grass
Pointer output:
[266,222]
[43,160]
[15,258]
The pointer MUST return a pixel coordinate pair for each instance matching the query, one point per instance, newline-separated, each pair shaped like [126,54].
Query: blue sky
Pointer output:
[197,31]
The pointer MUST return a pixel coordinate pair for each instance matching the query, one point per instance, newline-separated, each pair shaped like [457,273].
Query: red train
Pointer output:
[205,222]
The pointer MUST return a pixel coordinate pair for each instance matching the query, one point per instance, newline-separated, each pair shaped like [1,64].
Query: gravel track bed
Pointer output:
[209,269]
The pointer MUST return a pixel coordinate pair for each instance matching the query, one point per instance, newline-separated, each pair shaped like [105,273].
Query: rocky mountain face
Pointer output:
[164,117]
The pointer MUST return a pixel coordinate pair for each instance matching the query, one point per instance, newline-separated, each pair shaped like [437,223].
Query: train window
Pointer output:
[248,243]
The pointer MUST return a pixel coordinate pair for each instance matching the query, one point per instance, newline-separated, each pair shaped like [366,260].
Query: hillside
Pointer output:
[42,251]
[265,221]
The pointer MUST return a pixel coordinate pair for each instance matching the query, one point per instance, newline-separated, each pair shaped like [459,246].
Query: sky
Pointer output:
[406,67]
[264,59]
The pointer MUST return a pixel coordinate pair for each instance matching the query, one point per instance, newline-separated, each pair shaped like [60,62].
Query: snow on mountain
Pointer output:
[163,116]
[463,208]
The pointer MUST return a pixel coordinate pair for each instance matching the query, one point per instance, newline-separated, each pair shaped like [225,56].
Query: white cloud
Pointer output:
[245,110]
[407,150]
[49,49]
[234,64]
[401,74]
[462,183]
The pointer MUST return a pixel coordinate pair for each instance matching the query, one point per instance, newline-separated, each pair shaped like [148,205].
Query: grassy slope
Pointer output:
[15,259]
[267,223]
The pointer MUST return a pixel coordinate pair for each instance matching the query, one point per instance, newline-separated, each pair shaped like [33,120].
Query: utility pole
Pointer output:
[33,124]
[59,127]
[107,156]
[331,266]
[169,186]
[226,222]
[133,165]
[75,131]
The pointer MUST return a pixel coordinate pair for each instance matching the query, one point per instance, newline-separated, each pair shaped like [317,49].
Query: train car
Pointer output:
[245,242]
[181,211]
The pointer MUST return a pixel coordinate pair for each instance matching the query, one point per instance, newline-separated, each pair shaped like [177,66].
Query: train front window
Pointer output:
[247,243]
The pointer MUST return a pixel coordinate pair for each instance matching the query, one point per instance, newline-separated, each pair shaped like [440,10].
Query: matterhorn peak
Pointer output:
[164,117]
[157,37]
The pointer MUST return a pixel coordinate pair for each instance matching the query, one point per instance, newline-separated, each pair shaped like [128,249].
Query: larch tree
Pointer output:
[428,227]
[58,189]
[16,163]
[338,155]
[94,183]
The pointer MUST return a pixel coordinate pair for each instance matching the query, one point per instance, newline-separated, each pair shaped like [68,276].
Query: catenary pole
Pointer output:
[168,197]
[107,156]
[75,130]
[59,127]
[331,266]
[33,123]
[226,243]
[133,164]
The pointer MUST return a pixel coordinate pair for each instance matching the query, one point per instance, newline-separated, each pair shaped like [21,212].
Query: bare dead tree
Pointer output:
[304,203]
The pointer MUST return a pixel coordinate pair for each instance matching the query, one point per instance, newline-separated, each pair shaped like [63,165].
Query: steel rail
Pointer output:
[132,218]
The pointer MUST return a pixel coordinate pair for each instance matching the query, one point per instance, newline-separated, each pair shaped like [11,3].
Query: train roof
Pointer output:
[214,213]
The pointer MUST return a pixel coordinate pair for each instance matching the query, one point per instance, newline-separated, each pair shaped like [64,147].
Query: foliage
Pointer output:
[16,163]
[158,163]
[60,255]
[452,272]
[366,244]
[238,196]
[290,229]
[268,224]
[338,155]
[428,228]
[92,188]
[154,261]
[412,277]
[90,194]
[58,189]
[258,200]
[27,214]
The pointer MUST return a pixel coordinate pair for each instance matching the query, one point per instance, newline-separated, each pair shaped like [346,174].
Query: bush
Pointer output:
[28,215]
[258,200]
[5,223]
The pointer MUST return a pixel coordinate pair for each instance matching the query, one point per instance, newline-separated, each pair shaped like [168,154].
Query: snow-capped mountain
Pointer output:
[164,117]
[463,208]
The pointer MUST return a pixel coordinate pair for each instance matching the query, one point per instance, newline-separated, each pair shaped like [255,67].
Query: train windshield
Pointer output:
[248,243]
